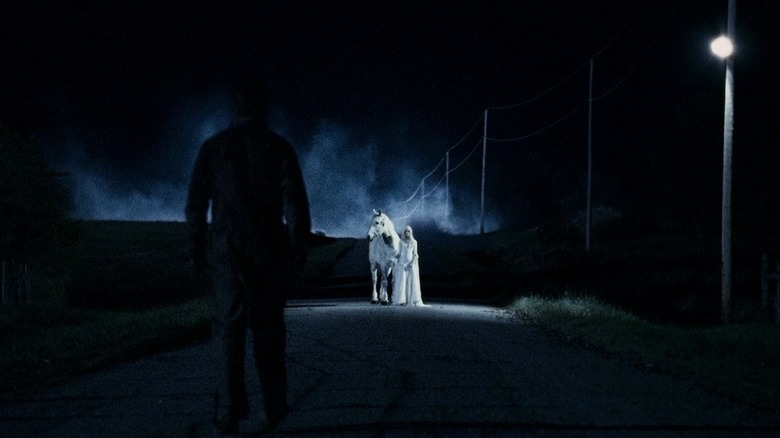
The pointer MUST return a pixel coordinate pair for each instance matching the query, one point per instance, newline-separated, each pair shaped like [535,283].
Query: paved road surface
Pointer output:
[372,371]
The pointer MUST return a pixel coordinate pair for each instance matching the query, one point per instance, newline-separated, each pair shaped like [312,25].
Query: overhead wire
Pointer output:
[543,93]
[422,181]
[447,172]
[639,60]
[577,108]
[576,70]
[467,157]
[474,126]
[420,186]
[537,132]
[630,71]
[622,29]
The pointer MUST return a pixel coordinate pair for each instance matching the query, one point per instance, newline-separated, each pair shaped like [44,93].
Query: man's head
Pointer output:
[249,99]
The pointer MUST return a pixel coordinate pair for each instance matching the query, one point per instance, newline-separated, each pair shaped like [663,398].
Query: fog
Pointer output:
[347,175]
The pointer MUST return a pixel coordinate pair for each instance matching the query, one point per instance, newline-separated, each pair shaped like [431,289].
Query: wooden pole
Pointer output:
[728,130]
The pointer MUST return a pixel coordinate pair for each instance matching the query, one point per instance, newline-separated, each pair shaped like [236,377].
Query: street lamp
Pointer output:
[724,48]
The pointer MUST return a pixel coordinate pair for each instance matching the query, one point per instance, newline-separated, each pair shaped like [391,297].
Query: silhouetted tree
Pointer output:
[34,207]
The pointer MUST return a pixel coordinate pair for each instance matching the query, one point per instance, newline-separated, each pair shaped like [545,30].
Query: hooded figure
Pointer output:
[406,286]
[251,180]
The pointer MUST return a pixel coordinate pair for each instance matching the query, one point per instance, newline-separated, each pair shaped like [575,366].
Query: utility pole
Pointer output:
[728,131]
[484,151]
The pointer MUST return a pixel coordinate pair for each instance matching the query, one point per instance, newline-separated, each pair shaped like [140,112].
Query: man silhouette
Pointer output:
[251,180]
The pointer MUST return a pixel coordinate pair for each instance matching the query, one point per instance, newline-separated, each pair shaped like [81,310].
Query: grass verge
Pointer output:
[132,294]
[44,344]
[739,361]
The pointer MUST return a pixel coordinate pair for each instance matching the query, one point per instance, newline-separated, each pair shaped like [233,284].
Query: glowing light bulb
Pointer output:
[722,47]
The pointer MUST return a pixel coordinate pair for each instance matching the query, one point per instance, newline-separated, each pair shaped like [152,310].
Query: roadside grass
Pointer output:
[740,361]
[668,277]
[43,344]
[131,293]
[323,253]
[123,265]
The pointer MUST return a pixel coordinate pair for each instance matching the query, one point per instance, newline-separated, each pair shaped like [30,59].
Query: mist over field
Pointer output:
[347,176]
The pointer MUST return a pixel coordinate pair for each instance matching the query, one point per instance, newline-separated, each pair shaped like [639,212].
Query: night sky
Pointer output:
[373,94]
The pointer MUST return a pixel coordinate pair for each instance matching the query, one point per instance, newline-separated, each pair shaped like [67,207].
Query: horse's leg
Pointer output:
[390,285]
[374,298]
[383,291]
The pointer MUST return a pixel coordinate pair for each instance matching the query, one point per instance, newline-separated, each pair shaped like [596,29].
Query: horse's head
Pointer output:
[382,251]
[377,227]
[381,225]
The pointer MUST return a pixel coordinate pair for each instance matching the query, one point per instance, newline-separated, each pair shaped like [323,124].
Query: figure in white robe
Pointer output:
[406,285]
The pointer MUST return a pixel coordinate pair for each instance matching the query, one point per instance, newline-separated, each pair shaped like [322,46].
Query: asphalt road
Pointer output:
[359,370]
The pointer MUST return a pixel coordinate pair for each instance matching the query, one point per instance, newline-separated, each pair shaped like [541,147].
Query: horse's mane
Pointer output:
[390,224]
[390,228]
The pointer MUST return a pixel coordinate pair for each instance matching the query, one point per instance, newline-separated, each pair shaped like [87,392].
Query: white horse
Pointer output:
[383,249]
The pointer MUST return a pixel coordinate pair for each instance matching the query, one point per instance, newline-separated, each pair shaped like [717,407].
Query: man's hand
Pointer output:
[299,262]
[199,264]
[199,258]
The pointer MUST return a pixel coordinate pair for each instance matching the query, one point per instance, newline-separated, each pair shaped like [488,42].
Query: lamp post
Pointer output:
[724,48]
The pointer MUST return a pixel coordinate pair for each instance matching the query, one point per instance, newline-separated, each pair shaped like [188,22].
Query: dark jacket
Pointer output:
[251,179]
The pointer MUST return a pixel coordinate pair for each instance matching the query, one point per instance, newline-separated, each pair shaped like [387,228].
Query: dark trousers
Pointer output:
[248,297]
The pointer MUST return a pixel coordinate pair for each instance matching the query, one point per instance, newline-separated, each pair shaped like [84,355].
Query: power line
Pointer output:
[420,188]
[467,134]
[447,172]
[639,60]
[408,215]
[576,70]
[442,160]
[569,114]
[438,183]
[527,101]
[625,26]
[479,143]
[623,79]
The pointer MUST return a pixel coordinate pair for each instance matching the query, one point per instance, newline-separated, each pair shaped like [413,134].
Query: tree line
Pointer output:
[35,224]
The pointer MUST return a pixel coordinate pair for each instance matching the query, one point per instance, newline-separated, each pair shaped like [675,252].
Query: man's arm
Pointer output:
[196,210]
[296,209]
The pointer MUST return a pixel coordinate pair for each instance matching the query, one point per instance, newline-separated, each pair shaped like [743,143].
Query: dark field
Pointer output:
[674,279]
[132,265]
[131,293]
[144,265]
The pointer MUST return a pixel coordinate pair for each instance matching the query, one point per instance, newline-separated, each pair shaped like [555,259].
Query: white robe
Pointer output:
[406,285]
